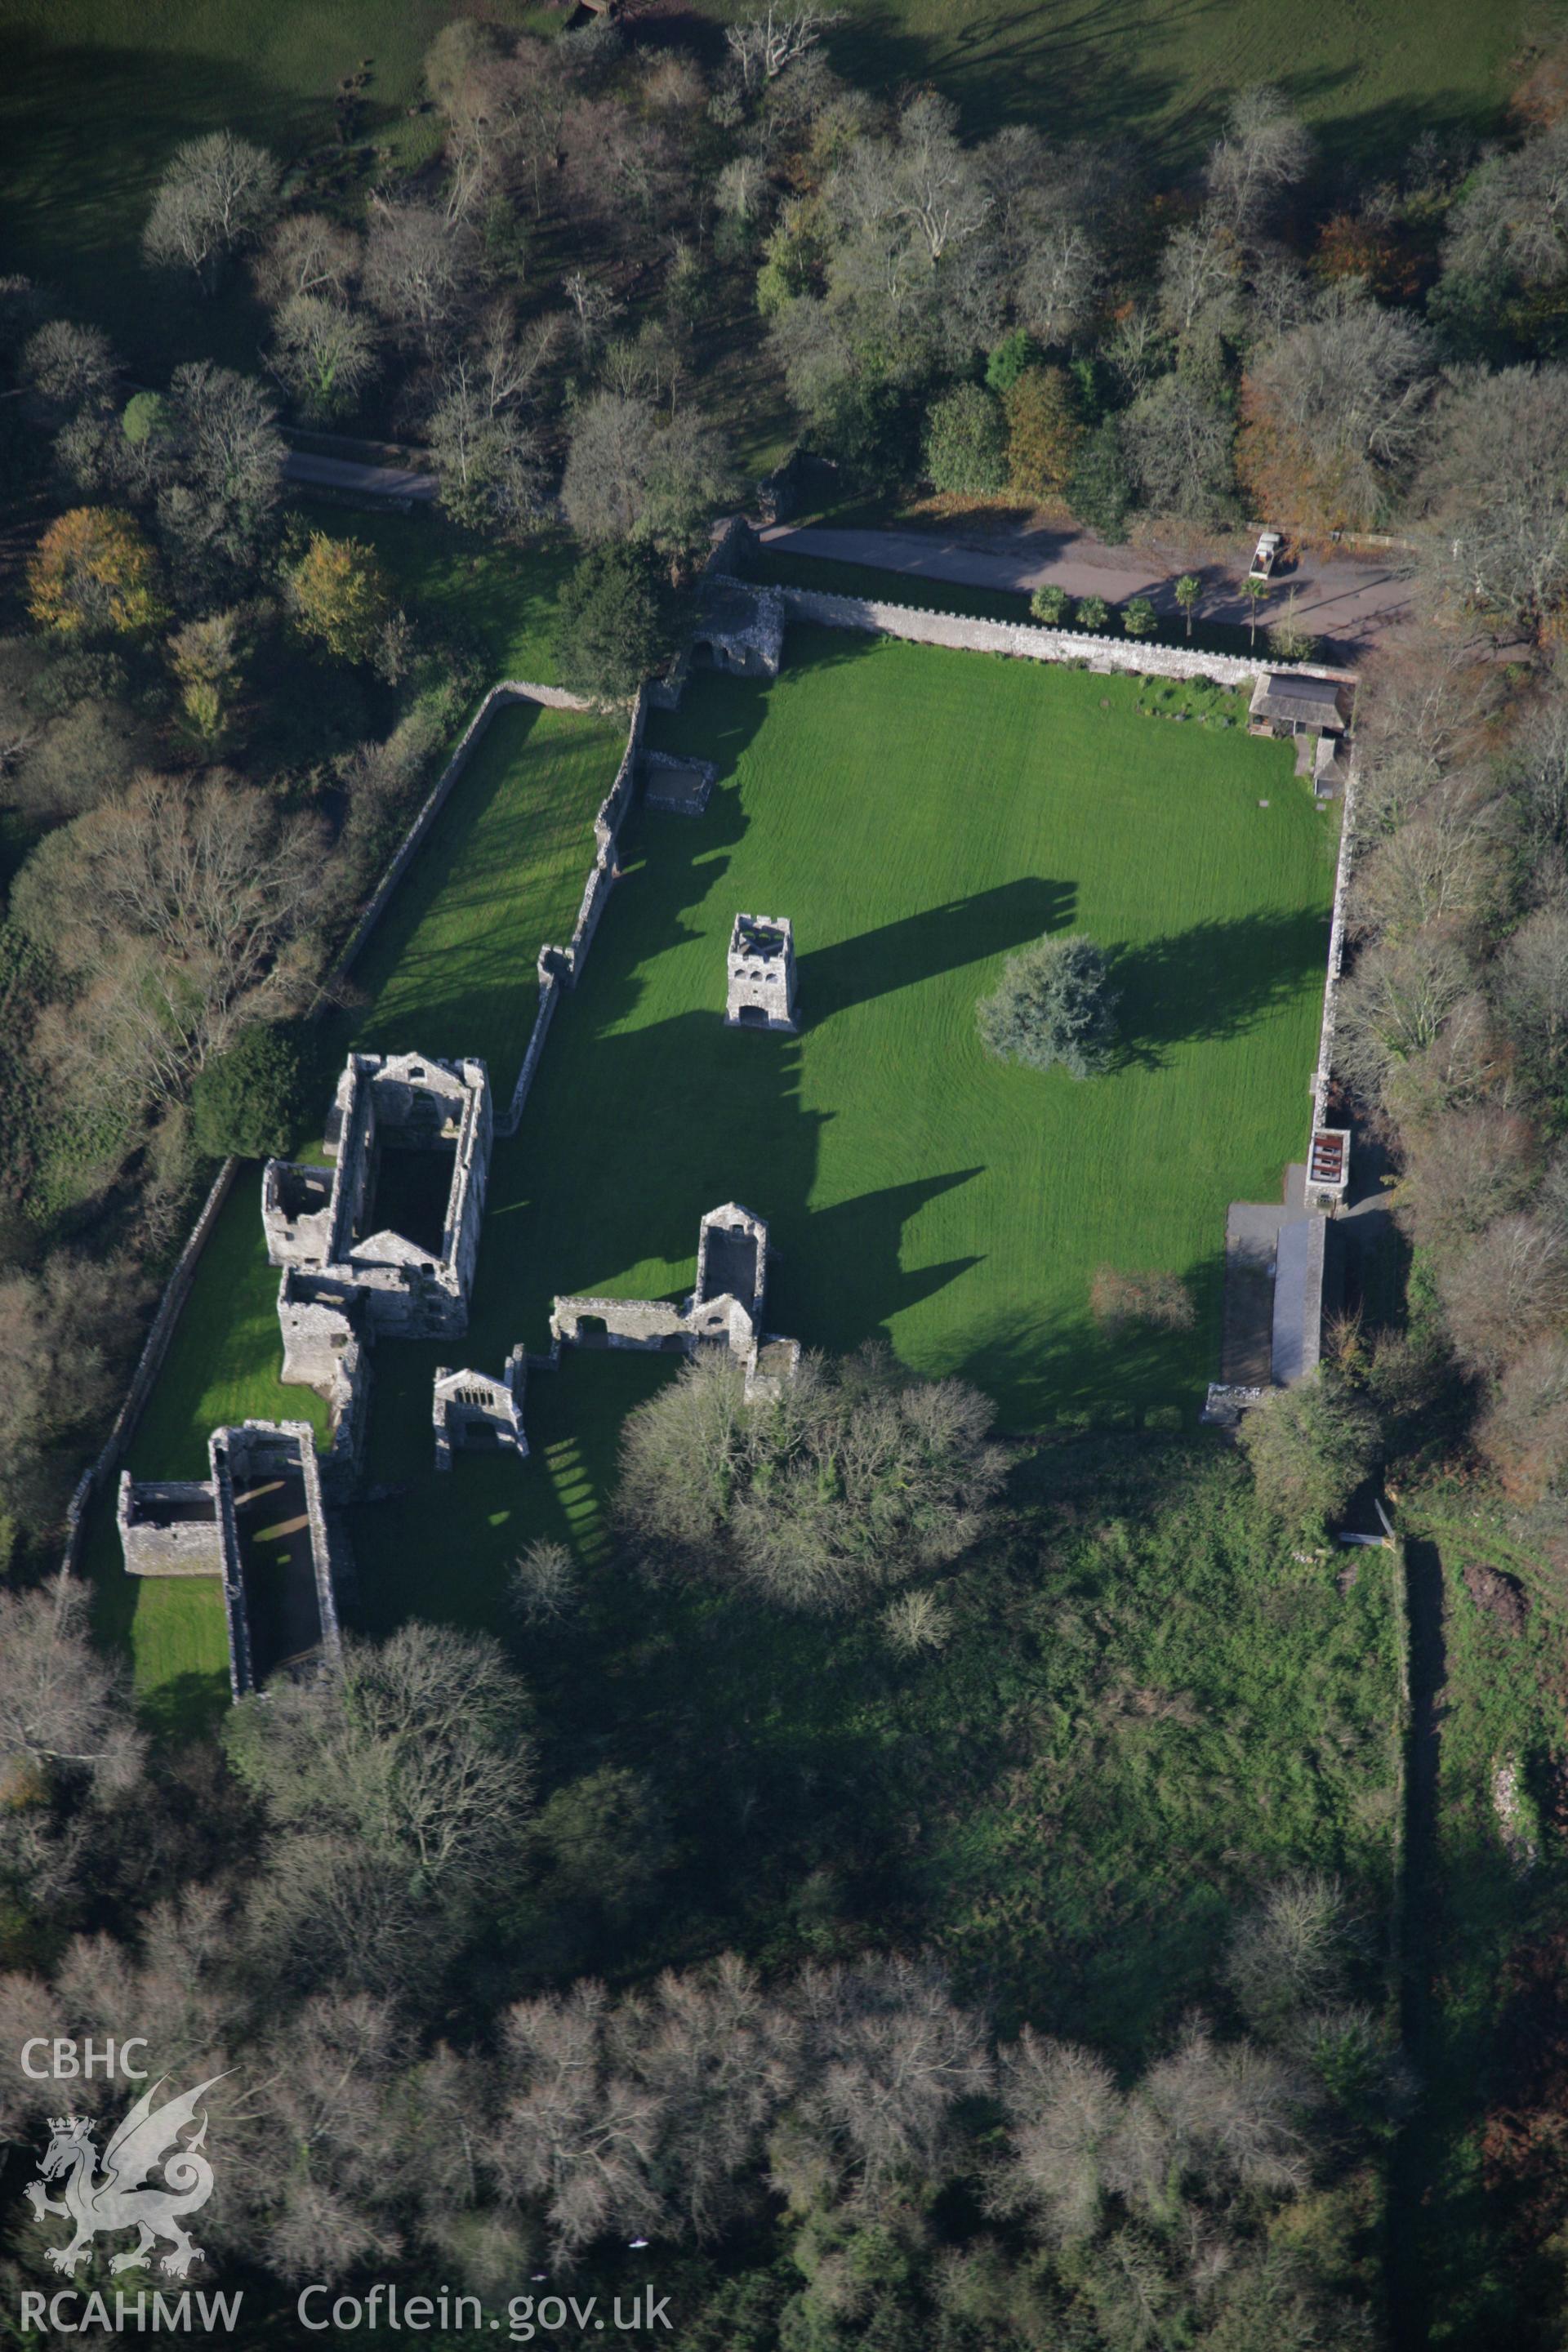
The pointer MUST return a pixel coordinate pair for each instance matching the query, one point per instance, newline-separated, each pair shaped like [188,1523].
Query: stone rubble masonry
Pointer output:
[1028,642]
[311,1216]
[474,1409]
[191,1527]
[735,1242]
[759,973]
[1322,1076]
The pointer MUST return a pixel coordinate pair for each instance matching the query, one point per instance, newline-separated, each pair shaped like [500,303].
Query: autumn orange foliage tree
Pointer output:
[340,596]
[94,574]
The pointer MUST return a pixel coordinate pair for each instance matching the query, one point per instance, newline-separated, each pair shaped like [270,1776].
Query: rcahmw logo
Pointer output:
[152,2175]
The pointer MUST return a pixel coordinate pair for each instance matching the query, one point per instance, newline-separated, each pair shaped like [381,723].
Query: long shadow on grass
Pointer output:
[839,1272]
[940,939]
[1214,980]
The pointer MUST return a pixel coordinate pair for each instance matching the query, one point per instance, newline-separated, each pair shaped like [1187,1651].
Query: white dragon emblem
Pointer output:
[116,2198]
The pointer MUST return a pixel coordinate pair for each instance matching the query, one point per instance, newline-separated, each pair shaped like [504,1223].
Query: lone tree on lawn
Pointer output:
[1053,1004]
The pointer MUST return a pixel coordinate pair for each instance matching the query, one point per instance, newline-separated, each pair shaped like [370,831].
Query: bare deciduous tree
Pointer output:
[1395,1004]
[213,198]
[1062,2105]
[417,1752]
[72,366]
[324,352]
[1531,988]
[1336,417]
[1525,1432]
[1467,1167]
[64,1328]
[1494,492]
[1445,865]
[63,1706]
[772,35]
[1179,444]
[1265,150]
[306,253]
[889,2055]
[173,909]
[849,1482]
[1513,219]
[1511,1287]
[418,270]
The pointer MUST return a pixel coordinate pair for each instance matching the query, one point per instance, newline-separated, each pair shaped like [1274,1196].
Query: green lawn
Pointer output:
[451,969]
[1368,75]
[495,605]
[919,814]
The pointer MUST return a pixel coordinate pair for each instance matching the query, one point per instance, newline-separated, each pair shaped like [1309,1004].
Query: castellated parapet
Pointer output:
[258,1522]
[761,974]
[338,1227]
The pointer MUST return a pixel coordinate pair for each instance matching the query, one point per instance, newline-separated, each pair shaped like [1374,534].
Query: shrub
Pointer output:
[965,445]
[1310,1447]
[1053,1004]
[1093,613]
[1052,605]
[543,1585]
[917,1620]
[1138,617]
[849,1483]
[249,1100]
[1288,640]
[1116,1298]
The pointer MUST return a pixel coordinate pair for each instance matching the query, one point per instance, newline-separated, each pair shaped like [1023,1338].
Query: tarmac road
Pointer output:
[1344,601]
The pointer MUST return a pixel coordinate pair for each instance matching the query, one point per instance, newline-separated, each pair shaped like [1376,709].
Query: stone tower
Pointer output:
[761,973]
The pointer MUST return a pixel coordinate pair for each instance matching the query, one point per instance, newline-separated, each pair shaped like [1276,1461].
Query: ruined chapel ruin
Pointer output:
[257,1521]
[725,1310]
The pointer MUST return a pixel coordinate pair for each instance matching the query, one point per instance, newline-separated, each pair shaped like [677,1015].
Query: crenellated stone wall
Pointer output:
[1028,642]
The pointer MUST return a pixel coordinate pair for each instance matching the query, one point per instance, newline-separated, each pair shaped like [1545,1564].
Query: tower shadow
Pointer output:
[940,939]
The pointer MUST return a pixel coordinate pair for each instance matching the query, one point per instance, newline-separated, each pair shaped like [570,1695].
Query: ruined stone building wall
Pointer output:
[168,1527]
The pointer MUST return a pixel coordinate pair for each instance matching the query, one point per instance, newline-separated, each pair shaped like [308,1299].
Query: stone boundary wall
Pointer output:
[554,698]
[559,967]
[1323,1073]
[607,827]
[922,626]
[149,1364]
